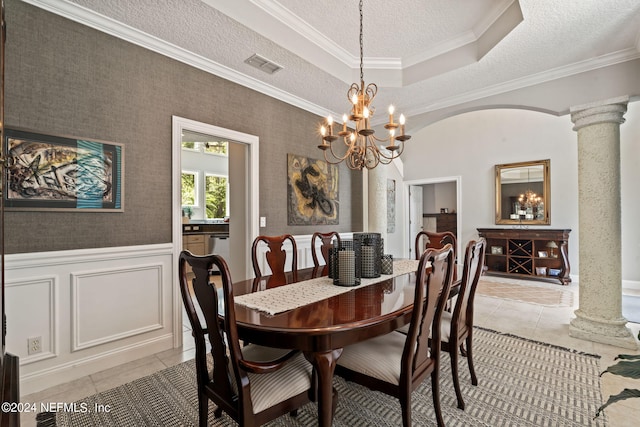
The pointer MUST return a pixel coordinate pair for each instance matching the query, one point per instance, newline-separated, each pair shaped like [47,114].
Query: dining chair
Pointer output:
[436,240]
[395,363]
[276,258]
[326,240]
[457,326]
[253,384]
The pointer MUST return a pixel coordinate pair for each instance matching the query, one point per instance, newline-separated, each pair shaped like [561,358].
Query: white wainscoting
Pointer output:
[303,244]
[93,309]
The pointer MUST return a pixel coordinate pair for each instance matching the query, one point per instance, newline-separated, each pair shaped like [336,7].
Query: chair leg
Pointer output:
[405,404]
[472,371]
[454,372]
[203,410]
[435,390]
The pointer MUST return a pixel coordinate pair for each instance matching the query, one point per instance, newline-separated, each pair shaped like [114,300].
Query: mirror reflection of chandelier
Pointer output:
[529,199]
[529,205]
[362,150]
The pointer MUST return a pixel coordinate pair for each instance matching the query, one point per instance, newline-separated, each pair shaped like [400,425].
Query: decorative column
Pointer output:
[599,315]
[377,192]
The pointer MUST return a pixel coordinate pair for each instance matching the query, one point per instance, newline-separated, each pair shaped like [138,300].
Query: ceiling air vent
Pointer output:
[262,63]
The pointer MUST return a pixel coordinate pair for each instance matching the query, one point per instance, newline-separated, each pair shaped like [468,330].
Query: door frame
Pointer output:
[423,181]
[252,227]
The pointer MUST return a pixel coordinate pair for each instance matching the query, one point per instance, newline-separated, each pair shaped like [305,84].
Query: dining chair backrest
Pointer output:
[457,326]
[472,270]
[326,243]
[229,384]
[431,239]
[428,304]
[397,363]
[276,258]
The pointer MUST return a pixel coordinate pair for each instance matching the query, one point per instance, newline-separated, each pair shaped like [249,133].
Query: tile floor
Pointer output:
[546,320]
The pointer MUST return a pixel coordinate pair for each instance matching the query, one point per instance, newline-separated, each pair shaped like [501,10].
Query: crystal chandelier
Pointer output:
[361,144]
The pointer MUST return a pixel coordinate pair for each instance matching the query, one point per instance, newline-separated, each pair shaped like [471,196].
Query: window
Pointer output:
[189,145]
[217,147]
[207,144]
[189,188]
[216,196]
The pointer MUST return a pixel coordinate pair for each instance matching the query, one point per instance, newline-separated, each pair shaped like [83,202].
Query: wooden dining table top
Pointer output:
[322,329]
[381,307]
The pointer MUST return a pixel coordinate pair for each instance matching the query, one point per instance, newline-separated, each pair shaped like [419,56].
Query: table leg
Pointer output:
[325,364]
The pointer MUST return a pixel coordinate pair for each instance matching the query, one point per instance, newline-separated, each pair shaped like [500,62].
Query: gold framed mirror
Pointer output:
[523,193]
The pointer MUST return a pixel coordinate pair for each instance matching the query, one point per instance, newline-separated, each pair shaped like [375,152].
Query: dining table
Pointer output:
[321,325]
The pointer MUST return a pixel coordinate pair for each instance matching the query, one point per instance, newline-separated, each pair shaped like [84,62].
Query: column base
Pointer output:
[602,331]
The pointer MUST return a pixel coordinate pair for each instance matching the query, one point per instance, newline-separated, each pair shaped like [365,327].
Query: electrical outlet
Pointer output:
[263,221]
[34,345]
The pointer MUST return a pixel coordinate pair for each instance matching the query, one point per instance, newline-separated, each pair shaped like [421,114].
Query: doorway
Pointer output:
[424,198]
[243,178]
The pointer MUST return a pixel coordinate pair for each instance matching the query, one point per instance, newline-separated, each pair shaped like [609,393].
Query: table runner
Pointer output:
[287,297]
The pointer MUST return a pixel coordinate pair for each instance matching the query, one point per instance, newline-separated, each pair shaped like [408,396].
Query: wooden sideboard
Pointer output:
[527,253]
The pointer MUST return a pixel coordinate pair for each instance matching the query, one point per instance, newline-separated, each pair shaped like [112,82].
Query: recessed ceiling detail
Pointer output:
[421,57]
[434,58]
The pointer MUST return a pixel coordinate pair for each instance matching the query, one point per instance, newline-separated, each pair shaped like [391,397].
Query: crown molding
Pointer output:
[603,61]
[117,29]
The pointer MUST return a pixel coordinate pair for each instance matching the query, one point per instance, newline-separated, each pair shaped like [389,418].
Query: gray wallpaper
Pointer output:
[63,78]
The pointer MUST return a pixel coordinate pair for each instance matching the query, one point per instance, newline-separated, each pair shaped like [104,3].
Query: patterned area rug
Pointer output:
[521,383]
[524,292]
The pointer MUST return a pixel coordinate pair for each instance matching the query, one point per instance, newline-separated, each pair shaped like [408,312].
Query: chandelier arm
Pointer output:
[326,159]
[338,158]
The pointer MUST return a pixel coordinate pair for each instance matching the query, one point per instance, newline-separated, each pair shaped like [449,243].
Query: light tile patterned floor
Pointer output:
[544,319]
[530,293]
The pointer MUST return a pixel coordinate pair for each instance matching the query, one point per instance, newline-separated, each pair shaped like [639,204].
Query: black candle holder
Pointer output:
[371,253]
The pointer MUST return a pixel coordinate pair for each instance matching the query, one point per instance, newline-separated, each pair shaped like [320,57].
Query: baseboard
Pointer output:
[60,374]
[633,285]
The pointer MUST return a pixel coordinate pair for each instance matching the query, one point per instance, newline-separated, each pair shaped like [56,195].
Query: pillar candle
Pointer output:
[346,268]
[368,266]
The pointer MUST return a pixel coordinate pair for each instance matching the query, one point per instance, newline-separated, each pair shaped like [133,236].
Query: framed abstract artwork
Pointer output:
[391,205]
[46,172]
[312,191]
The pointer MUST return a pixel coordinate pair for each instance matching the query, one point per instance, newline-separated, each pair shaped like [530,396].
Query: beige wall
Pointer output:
[478,140]
[66,79]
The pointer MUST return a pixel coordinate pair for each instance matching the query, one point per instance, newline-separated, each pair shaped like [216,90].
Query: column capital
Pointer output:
[607,111]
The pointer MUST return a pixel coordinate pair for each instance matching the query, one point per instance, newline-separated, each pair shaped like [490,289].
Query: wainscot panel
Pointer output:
[90,309]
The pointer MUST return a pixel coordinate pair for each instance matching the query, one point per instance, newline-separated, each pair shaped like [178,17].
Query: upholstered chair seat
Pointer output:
[271,389]
[251,383]
[365,357]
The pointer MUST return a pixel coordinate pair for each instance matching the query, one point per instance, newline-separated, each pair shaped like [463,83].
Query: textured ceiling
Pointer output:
[423,54]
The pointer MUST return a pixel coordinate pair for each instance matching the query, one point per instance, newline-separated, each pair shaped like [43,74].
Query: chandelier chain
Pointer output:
[361,44]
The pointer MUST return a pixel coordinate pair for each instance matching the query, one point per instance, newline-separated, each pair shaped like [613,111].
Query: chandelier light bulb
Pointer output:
[402,119]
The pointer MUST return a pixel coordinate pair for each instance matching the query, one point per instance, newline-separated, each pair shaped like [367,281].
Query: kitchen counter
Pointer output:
[215,229]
